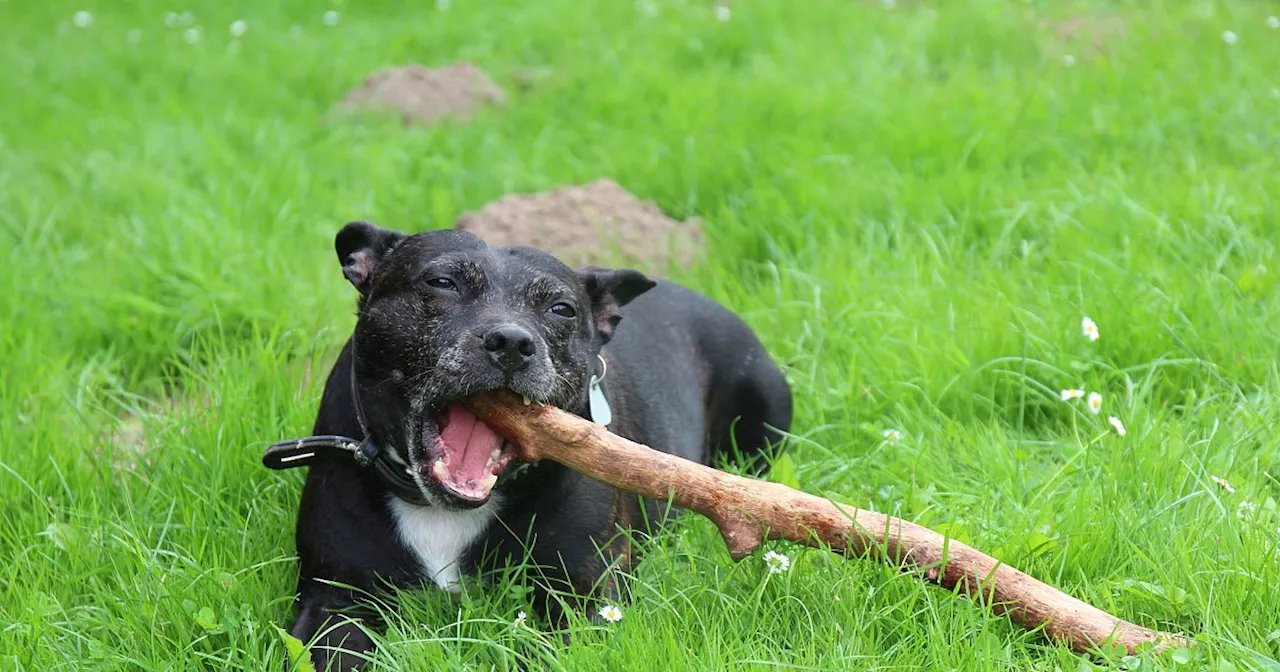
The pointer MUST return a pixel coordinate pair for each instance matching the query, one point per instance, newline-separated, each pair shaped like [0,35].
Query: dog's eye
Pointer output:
[564,310]
[441,283]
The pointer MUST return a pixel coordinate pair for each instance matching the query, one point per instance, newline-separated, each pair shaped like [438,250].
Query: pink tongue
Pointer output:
[468,444]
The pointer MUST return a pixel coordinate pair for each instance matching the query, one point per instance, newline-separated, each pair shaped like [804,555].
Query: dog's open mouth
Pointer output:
[465,456]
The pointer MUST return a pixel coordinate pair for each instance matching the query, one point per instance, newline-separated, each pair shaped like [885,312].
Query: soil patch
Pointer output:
[425,95]
[1089,35]
[598,223]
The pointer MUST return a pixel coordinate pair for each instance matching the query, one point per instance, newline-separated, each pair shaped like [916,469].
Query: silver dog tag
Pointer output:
[601,414]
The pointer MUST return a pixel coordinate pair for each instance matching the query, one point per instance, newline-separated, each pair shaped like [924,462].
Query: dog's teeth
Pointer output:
[525,398]
[489,481]
[439,469]
[493,456]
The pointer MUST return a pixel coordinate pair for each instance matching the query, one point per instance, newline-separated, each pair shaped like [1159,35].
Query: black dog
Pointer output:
[423,492]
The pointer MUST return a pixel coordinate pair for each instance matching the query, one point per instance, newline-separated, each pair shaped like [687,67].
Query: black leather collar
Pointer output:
[385,463]
[388,468]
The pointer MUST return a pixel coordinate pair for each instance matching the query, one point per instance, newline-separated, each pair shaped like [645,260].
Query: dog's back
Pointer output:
[695,380]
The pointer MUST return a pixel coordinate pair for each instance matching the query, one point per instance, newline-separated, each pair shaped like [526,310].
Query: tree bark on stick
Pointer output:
[748,511]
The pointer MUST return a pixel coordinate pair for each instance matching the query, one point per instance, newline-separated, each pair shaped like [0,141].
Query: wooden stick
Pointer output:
[747,511]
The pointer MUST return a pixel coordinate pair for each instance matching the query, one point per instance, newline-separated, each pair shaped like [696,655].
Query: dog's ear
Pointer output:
[610,290]
[360,246]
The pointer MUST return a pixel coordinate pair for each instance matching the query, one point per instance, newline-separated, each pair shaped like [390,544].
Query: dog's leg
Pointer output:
[576,558]
[347,551]
[336,642]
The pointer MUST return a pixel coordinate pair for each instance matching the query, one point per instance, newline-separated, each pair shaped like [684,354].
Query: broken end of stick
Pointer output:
[1131,637]
[742,535]
[1161,641]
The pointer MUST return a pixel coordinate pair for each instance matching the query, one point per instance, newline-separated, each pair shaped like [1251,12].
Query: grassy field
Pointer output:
[915,207]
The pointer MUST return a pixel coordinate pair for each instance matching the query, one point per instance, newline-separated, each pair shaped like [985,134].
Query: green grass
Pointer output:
[915,209]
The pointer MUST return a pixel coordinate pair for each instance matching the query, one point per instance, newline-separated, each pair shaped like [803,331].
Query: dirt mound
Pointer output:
[1087,36]
[425,95]
[597,223]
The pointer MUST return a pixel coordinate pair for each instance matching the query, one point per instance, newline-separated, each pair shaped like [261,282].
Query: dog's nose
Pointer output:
[510,347]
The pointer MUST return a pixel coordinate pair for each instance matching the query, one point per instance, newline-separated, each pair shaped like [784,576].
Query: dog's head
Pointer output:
[442,317]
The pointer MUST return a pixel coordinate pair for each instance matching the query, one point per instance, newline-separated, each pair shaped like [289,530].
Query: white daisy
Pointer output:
[1094,402]
[1222,483]
[1117,425]
[191,35]
[1246,509]
[723,13]
[611,613]
[82,19]
[1071,394]
[892,435]
[777,562]
[1230,37]
[238,28]
[1090,329]
[521,617]
[1273,22]
[330,18]
[1068,60]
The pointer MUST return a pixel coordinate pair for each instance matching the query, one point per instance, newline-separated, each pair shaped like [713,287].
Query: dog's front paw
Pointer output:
[340,644]
[343,648]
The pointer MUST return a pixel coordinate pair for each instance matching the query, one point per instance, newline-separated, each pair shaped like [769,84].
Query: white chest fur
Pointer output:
[439,536]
